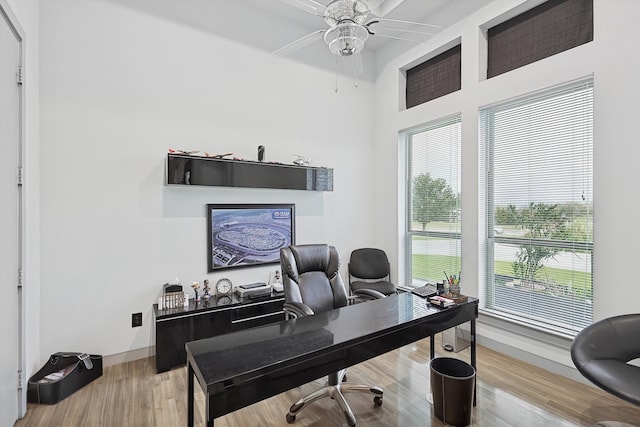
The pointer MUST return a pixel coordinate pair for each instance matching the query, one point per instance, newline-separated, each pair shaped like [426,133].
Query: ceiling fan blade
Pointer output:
[299,43]
[416,32]
[400,22]
[397,38]
[309,6]
[374,4]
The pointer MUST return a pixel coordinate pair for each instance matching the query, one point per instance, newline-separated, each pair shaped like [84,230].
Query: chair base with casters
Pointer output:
[336,390]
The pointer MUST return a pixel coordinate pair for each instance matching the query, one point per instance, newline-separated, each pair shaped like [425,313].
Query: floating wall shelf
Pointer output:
[195,170]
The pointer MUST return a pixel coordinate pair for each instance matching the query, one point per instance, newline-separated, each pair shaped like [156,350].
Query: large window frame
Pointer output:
[526,143]
[433,247]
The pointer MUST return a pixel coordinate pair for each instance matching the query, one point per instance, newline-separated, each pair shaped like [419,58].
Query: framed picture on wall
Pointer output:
[245,235]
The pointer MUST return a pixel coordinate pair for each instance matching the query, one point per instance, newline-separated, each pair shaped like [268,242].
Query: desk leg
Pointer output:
[473,344]
[190,398]
[473,358]
[207,413]
[432,345]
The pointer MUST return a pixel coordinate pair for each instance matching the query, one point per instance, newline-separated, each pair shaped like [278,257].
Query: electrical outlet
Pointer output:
[136,320]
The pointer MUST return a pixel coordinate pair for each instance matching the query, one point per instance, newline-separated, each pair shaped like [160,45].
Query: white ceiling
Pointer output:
[437,12]
[271,24]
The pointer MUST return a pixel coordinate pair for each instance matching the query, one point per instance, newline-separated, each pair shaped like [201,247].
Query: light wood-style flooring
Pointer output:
[509,393]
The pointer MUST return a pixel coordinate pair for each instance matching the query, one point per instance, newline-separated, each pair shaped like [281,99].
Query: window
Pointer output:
[433,202]
[434,78]
[550,28]
[539,164]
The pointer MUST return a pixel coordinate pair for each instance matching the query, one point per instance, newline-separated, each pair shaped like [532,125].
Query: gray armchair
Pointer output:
[312,284]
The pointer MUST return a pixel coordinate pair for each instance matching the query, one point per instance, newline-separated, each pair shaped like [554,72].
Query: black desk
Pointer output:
[238,369]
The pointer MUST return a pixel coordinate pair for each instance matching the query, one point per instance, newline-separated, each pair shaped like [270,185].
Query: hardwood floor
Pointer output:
[509,393]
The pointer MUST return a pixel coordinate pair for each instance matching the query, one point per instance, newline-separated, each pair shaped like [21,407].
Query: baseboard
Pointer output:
[533,359]
[128,356]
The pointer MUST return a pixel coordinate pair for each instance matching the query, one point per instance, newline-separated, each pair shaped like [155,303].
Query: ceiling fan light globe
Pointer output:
[346,39]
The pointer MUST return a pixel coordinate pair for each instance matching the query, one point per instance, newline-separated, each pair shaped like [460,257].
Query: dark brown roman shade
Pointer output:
[547,29]
[434,78]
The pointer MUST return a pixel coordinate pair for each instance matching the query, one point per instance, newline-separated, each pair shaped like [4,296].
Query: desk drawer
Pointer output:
[257,314]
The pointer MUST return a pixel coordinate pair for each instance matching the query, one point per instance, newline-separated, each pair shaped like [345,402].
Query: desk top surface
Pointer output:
[244,355]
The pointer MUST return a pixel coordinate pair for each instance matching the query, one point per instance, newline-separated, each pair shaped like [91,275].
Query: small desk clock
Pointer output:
[224,286]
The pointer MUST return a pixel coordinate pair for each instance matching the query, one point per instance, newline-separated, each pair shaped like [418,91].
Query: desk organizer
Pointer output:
[62,375]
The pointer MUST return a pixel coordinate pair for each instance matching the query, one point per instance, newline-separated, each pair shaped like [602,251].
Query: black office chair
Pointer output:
[312,284]
[601,352]
[370,274]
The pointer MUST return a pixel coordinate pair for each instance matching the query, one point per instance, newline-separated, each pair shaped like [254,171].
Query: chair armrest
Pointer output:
[368,294]
[297,309]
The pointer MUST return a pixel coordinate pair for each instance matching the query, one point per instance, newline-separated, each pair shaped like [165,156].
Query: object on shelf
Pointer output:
[276,282]
[206,289]
[301,161]
[253,290]
[217,156]
[171,287]
[224,286]
[187,152]
[195,287]
[172,300]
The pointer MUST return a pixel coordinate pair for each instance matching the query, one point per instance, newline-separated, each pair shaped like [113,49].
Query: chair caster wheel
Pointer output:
[377,401]
[291,418]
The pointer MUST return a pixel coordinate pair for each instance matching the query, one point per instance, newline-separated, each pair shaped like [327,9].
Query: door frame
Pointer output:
[7,14]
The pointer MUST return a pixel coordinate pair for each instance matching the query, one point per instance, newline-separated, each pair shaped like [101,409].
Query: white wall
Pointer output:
[610,59]
[119,86]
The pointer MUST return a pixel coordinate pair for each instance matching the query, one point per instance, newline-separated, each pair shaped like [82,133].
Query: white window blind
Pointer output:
[539,164]
[433,201]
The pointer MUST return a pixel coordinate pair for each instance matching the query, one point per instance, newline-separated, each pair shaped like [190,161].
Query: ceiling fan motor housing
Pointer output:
[346,38]
[347,34]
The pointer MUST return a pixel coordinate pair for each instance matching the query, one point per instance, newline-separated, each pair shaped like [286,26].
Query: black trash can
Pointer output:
[452,387]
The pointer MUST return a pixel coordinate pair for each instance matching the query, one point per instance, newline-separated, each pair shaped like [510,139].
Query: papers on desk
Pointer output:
[440,301]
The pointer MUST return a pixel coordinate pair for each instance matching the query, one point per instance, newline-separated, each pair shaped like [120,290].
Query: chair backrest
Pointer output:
[601,352]
[369,263]
[614,338]
[310,276]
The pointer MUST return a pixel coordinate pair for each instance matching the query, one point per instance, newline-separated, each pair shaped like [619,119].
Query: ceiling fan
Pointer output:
[351,23]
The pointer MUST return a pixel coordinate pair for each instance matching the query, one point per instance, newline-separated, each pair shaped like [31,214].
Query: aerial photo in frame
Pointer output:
[248,234]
